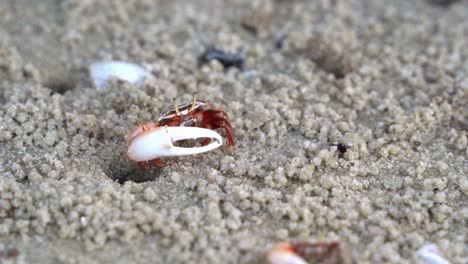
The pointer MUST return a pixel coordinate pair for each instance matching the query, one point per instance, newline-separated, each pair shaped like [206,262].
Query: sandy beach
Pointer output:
[350,119]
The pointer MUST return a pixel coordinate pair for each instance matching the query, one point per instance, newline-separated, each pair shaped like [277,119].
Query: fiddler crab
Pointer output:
[195,120]
[306,252]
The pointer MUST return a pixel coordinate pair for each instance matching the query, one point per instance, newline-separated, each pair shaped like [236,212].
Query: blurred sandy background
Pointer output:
[350,119]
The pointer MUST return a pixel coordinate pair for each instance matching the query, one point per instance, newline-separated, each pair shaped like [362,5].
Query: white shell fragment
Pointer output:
[431,254]
[101,72]
[284,257]
[158,142]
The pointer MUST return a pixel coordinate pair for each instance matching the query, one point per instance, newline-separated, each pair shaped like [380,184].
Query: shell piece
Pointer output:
[101,72]
[431,254]
[284,253]
[158,142]
[311,252]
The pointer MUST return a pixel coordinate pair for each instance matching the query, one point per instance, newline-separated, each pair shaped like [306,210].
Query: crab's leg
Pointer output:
[219,123]
[228,129]
[214,119]
[159,162]
[215,123]
[144,165]
[216,112]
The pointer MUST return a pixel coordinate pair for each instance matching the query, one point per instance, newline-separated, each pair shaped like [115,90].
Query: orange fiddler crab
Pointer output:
[151,141]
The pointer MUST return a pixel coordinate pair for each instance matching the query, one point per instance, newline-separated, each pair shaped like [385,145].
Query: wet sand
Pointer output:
[350,120]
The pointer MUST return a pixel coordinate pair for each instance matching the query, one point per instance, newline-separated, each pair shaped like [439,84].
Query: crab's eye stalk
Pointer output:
[176,107]
[194,100]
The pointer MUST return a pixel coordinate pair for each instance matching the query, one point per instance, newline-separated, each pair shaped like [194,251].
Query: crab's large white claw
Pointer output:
[158,142]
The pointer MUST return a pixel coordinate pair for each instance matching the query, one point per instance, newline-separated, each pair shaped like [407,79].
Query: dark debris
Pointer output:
[342,148]
[279,42]
[226,59]
[9,253]
[444,3]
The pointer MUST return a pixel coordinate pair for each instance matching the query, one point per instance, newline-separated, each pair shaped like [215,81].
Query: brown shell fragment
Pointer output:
[329,253]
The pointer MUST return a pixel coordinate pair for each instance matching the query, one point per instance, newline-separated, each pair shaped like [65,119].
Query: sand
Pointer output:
[350,120]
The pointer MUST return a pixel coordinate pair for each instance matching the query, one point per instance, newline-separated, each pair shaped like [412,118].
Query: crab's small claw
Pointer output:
[158,142]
